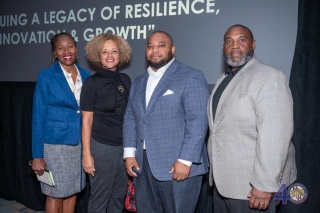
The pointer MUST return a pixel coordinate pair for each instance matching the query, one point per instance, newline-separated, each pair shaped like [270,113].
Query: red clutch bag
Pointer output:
[130,201]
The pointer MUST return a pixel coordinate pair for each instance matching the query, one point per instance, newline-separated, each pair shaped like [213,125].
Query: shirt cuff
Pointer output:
[129,152]
[188,163]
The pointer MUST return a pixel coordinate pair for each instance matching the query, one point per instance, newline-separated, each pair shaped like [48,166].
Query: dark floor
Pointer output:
[11,206]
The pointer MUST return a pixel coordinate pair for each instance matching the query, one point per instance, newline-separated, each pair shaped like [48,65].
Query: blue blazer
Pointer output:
[56,117]
[174,124]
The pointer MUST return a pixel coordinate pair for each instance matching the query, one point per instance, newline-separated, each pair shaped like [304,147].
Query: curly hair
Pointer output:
[94,47]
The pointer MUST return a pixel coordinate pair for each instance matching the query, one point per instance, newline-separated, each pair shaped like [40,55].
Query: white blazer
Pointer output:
[250,137]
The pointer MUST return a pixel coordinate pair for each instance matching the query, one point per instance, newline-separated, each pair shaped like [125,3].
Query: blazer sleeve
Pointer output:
[40,103]
[195,98]
[274,111]
[129,126]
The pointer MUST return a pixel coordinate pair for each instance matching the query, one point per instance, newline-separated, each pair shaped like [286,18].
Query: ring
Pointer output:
[261,204]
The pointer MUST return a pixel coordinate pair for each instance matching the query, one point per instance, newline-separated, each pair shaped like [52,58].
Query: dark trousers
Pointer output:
[108,185]
[171,196]
[227,205]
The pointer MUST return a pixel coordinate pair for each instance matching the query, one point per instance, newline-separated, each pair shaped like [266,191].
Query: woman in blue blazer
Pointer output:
[56,125]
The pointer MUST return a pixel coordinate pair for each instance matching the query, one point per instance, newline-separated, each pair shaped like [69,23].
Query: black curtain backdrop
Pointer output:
[18,182]
[305,87]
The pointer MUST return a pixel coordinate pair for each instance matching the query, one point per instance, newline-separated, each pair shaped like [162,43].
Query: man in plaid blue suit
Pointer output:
[164,131]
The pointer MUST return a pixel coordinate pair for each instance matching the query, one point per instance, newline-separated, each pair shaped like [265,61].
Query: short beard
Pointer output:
[245,59]
[161,63]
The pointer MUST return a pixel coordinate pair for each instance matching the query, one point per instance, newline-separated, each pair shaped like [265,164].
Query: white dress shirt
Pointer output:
[74,86]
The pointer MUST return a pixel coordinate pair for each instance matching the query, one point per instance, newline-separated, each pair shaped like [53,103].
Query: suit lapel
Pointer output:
[64,84]
[233,83]
[142,90]
[162,85]
[211,96]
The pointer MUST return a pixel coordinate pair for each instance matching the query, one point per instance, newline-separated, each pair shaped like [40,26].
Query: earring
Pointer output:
[77,59]
[54,59]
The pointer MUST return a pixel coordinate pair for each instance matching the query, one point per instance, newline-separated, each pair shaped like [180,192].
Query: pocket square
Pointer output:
[168,92]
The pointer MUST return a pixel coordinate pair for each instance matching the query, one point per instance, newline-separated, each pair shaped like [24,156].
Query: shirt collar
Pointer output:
[160,71]
[229,71]
[67,74]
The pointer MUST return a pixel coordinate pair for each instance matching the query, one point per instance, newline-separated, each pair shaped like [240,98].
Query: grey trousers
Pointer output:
[108,185]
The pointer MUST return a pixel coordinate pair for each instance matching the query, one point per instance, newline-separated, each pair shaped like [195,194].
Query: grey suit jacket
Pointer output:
[174,124]
[250,136]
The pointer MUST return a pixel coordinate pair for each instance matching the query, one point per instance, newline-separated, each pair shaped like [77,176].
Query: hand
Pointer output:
[38,165]
[180,171]
[88,164]
[259,200]
[131,162]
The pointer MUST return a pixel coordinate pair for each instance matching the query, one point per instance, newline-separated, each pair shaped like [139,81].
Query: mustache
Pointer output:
[245,58]
[249,54]
[162,62]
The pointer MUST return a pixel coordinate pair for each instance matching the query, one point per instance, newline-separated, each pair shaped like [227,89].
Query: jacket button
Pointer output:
[78,111]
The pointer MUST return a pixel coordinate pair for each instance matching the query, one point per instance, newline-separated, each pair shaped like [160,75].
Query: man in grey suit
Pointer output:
[250,115]
[165,126]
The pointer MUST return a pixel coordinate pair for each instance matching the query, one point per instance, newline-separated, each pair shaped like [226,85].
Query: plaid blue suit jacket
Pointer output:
[174,124]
